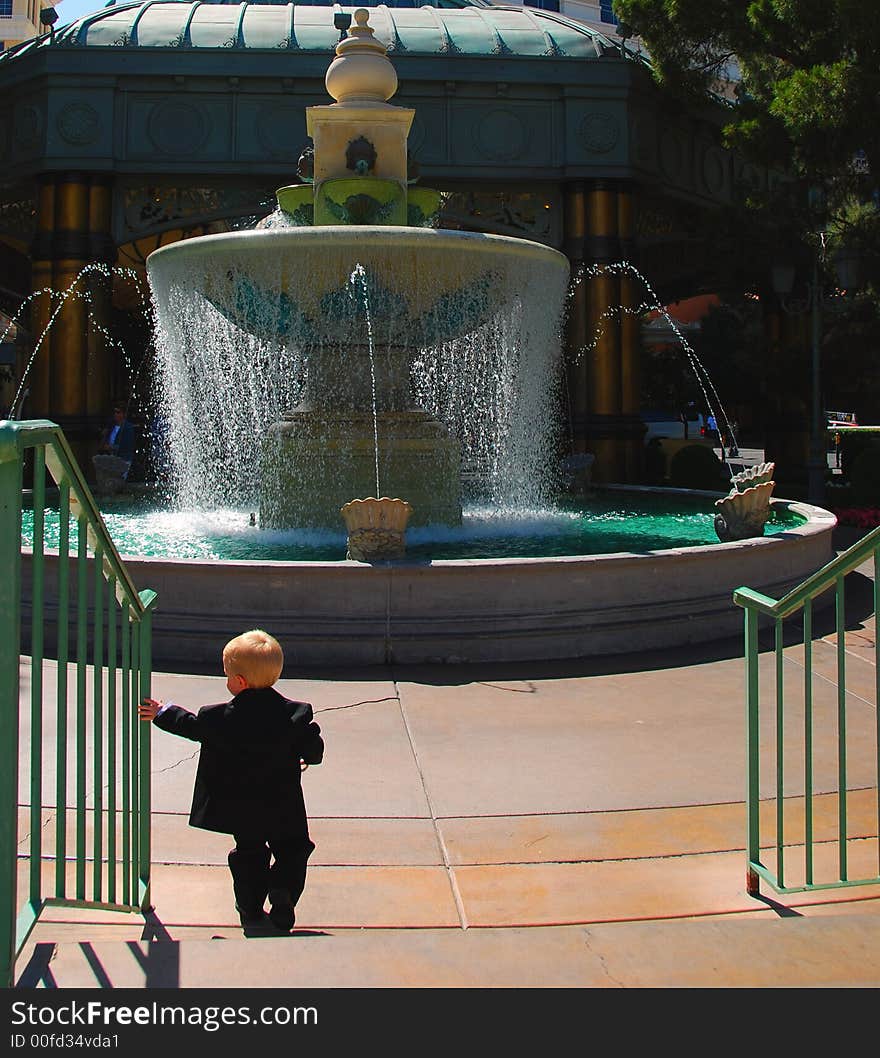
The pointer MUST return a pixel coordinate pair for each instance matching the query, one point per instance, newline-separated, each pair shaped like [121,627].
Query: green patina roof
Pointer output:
[450,28]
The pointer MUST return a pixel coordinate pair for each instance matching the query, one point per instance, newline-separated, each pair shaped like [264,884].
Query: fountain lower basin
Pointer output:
[346,614]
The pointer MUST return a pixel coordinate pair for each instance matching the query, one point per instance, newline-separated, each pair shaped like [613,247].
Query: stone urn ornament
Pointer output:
[745,509]
[376,528]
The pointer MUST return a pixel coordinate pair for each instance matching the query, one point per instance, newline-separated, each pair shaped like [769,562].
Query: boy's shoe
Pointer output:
[253,921]
[281,913]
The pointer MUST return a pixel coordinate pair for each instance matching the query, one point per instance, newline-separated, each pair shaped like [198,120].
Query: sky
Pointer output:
[70,10]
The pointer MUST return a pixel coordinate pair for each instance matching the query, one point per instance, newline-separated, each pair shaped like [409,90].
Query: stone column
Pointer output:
[630,345]
[72,378]
[42,252]
[603,331]
[69,334]
[102,385]
[576,338]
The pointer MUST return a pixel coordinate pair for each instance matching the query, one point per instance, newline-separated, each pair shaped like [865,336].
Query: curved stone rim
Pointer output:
[362,236]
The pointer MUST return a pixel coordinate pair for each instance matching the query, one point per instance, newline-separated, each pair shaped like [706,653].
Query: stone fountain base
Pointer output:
[314,462]
[468,610]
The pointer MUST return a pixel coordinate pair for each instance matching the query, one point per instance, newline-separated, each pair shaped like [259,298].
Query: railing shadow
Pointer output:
[38,970]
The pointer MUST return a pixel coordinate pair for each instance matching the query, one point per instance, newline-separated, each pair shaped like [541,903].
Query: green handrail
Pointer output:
[801,599]
[117,628]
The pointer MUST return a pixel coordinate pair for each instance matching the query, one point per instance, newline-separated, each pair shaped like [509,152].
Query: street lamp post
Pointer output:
[817,460]
[817,463]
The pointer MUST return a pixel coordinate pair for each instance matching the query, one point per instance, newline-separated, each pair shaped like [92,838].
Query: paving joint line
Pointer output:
[444,852]
[828,680]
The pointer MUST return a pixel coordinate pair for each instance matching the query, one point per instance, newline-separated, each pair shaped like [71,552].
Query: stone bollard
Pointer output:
[376,528]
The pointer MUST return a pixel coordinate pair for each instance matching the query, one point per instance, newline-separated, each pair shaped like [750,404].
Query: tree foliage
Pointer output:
[807,77]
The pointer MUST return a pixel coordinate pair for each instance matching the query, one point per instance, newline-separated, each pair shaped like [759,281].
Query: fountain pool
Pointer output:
[611,521]
[650,594]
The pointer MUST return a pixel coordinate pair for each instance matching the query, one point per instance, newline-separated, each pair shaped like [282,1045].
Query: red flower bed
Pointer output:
[860,517]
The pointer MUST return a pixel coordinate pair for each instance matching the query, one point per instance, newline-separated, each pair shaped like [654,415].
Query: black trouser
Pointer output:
[252,875]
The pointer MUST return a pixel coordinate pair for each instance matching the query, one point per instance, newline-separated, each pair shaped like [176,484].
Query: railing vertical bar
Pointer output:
[125,682]
[753,789]
[144,778]
[112,769]
[63,625]
[136,821]
[98,725]
[82,603]
[877,697]
[10,653]
[37,618]
[840,605]
[808,741]
[780,756]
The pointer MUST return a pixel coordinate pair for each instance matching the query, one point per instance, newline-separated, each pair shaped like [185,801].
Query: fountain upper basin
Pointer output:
[425,285]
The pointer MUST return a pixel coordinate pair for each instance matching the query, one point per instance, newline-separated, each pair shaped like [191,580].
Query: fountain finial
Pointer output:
[361,72]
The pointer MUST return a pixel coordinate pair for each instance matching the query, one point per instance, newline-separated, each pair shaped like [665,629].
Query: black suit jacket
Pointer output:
[248,777]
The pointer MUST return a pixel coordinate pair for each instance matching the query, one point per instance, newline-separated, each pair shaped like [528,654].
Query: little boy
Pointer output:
[248,781]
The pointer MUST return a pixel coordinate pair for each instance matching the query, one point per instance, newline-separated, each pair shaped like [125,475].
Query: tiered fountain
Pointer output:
[329,308]
[343,352]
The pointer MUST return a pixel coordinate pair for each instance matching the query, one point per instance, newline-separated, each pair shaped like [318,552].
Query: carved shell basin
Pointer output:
[753,499]
[756,475]
[376,513]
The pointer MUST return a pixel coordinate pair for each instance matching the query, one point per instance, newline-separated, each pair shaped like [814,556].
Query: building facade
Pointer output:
[20,20]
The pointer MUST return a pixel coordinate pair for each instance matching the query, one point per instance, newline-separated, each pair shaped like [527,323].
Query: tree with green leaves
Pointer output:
[805,76]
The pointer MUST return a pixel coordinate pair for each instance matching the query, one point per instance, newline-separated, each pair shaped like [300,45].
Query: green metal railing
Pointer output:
[813,814]
[86,754]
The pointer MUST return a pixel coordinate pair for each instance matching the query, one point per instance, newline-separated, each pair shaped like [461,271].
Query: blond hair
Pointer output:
[256,656]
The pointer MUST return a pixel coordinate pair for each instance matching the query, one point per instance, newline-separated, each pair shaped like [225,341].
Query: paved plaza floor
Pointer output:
[570,824]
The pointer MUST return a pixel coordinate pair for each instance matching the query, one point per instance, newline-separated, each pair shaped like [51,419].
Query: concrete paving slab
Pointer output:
[861,672]
[640,833]
[739,951]
[369,897]
[567,893]
[671,737]
[364,842]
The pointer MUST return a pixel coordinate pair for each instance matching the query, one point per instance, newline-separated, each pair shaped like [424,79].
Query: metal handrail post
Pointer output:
[145,633]
[10,649]
[753,792]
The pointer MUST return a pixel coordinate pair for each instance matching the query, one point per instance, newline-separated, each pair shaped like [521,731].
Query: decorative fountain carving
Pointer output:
[746,508]
[376,528]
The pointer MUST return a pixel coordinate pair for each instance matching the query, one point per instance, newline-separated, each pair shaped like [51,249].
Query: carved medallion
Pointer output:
[177,127]
[78,123]
[599,132]
[500,136]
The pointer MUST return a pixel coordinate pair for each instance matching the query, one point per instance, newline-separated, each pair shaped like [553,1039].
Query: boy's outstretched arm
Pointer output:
[171,718]
[148,709]
[312,751]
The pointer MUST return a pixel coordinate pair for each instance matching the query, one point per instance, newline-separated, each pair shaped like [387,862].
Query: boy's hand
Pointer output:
[148,709]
